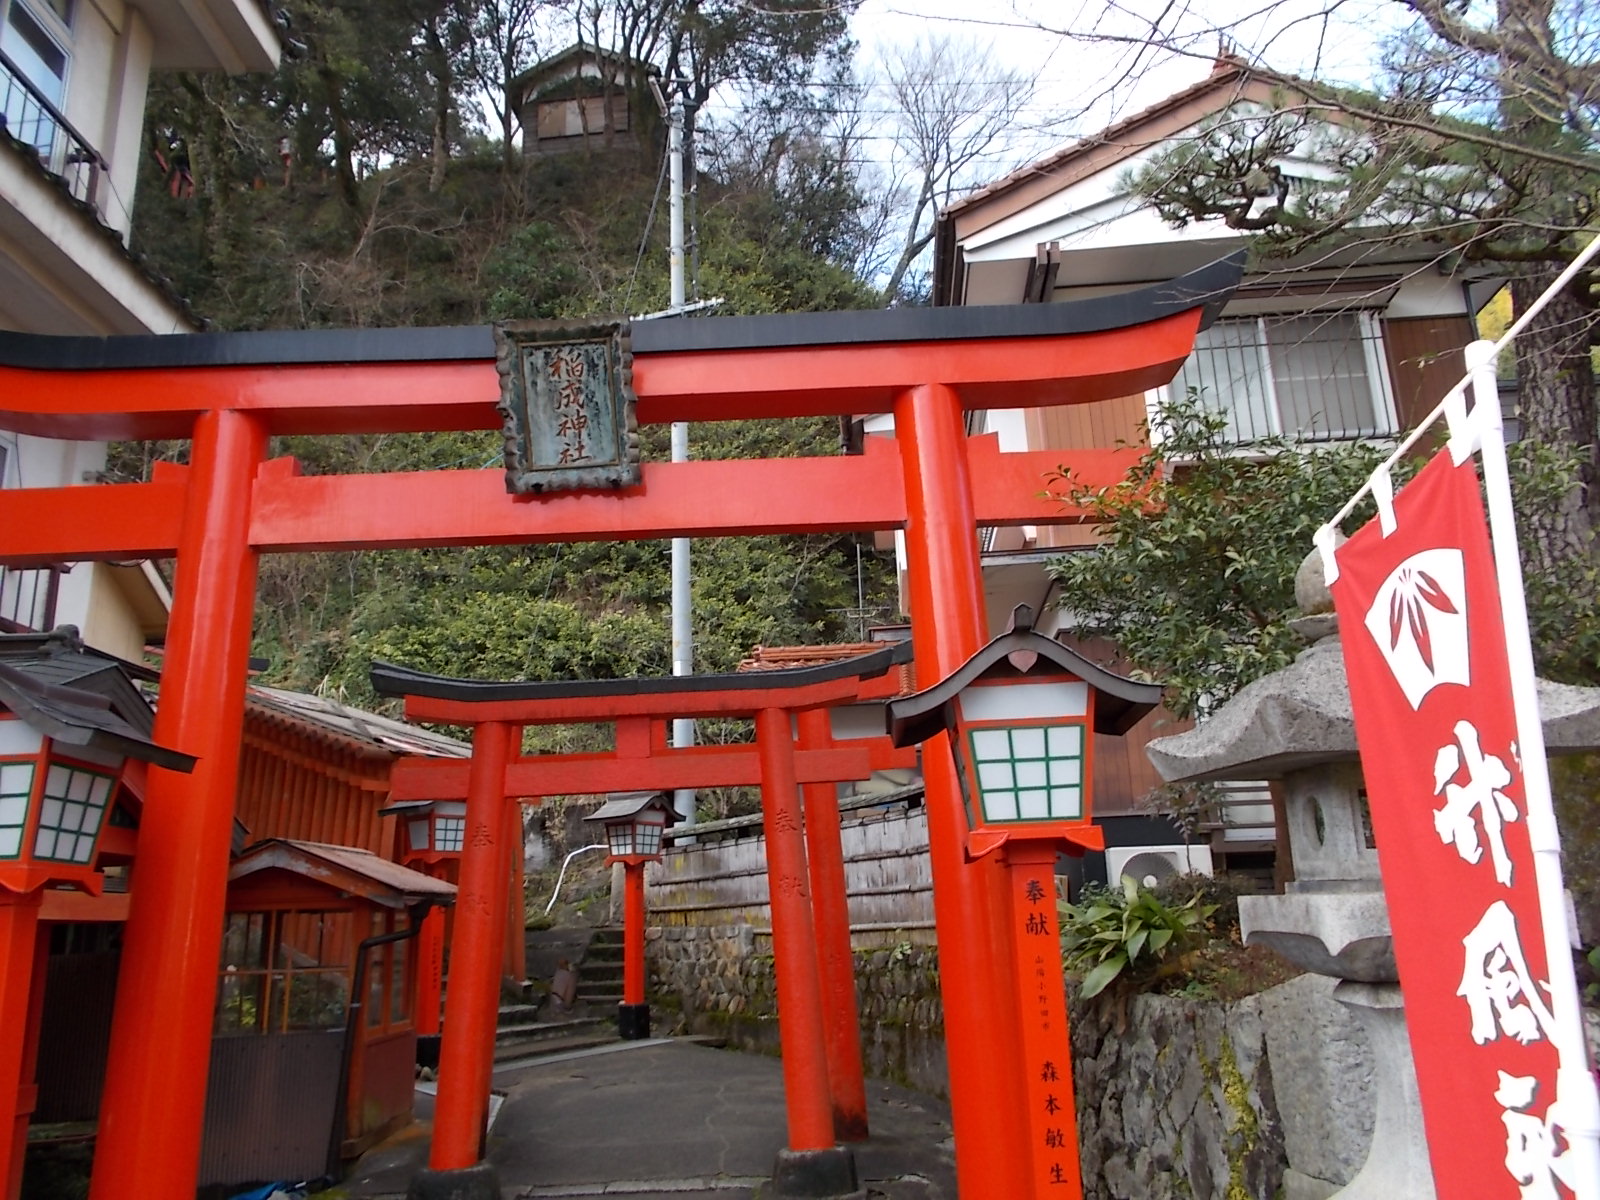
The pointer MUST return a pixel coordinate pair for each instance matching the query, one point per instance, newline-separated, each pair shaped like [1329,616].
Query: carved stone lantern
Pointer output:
[1295,726]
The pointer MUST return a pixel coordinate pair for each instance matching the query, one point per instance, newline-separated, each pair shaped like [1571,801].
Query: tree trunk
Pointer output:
[443,82]
[343,145]
[1556,401]
[508,127]
[915,242]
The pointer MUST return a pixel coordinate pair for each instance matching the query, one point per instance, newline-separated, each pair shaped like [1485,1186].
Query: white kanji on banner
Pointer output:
[1419,621]
[1532,1143]
[1500,991]
[1481,798]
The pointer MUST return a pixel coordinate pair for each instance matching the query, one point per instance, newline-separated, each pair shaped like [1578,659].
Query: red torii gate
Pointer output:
[230,392]
[825,1091]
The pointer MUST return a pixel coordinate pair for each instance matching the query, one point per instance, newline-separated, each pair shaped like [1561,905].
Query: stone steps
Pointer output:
[542,1037]
[600,974]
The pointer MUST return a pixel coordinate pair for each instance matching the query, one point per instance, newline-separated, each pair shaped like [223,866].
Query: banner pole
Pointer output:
[1577,1100]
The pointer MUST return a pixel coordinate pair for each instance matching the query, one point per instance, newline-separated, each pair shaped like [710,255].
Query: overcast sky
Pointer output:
[1086,84]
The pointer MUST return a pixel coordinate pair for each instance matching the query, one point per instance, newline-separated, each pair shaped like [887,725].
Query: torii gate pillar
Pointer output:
[466,1056]
[948,626]
[174,930]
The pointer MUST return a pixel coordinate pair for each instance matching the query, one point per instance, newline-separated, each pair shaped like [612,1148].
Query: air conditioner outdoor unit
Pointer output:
[1151,865]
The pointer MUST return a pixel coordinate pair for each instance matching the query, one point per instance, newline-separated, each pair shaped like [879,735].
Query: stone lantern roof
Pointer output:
[1300,716]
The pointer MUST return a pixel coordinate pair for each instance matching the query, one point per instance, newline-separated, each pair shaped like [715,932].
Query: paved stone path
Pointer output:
[664,1120]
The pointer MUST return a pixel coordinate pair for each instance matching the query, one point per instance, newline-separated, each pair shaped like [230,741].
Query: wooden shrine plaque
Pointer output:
[567,401]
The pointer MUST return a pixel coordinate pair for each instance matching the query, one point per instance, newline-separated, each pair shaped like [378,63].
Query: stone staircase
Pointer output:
[523,1033]
[600,971]
[542,1025]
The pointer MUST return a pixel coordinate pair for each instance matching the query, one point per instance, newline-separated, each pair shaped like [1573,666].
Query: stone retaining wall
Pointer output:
[1262,1099]
[720,980]
[1266,1097]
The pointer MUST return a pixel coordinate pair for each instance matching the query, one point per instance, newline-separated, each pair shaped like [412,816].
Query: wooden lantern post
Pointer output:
[62,753]
[1020,716]
[634,823]
[431,834]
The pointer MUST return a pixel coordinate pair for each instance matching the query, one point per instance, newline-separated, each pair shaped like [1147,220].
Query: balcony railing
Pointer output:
[28,599]
[29,117]
[1317,377]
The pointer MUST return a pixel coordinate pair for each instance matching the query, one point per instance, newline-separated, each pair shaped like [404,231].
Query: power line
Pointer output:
[644,238]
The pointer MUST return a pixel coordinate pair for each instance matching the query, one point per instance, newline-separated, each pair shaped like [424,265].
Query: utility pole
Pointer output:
[691,152]
[683,730]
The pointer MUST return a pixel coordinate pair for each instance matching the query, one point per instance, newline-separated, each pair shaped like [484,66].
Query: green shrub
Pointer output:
[1126,933]
[1220,892]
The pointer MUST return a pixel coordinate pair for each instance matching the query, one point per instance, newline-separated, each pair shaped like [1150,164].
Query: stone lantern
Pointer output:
[1295,726]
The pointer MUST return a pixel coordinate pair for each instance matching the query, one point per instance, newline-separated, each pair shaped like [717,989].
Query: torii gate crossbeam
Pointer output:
[230,392]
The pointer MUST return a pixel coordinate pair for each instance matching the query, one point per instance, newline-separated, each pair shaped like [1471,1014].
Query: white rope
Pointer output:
[1455,398]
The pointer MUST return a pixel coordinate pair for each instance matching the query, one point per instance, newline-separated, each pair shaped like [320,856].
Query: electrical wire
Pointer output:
[644,240]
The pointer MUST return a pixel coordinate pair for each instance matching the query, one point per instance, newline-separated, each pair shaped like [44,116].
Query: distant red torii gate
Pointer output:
[230,392]
[824,1088]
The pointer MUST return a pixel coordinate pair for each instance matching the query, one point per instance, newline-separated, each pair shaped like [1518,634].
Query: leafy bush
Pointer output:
[1193,576]
[1219,893]
[1126,932]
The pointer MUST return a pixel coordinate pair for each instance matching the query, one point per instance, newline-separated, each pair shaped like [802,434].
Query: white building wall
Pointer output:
[123,120]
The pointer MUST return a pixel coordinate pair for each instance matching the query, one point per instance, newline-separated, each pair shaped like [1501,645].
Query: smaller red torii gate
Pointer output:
[824,1089]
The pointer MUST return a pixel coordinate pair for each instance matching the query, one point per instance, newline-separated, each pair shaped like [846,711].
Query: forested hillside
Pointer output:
[357,187]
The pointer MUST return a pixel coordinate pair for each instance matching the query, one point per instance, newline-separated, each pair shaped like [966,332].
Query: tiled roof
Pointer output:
[774,658]
[545,67]
[324,717]
[389,881]
[1228,72]
[780,658]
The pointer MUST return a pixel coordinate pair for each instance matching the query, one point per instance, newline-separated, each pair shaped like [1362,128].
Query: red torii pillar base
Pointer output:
[812,1165]
[826,1174]
[633,1014]
[477,1182]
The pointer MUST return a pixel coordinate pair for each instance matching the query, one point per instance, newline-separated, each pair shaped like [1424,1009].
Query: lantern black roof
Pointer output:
[1120,702]
[79,696]
[620,806]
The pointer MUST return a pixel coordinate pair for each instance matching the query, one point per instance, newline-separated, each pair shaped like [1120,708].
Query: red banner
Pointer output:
[1424,645]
